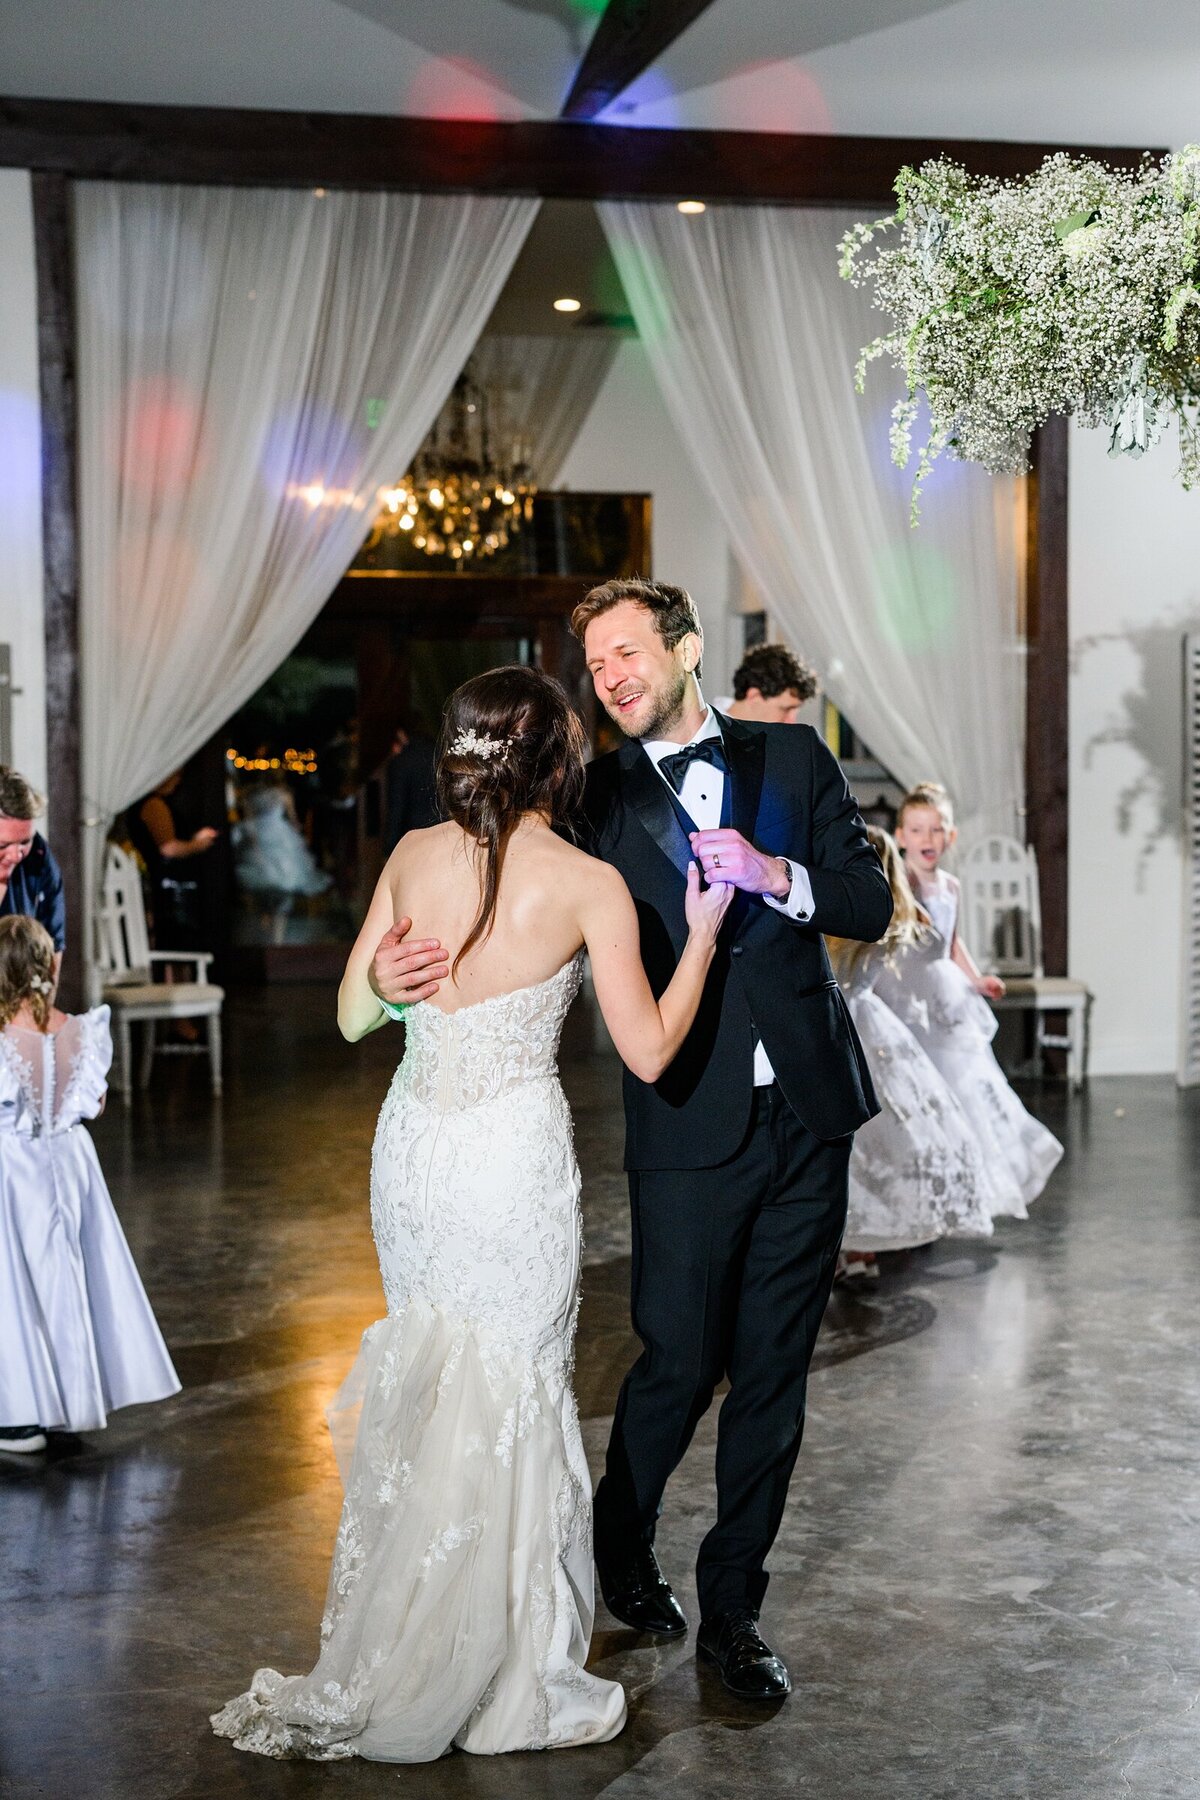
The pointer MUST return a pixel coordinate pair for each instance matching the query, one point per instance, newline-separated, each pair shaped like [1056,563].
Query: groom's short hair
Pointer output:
[672,608]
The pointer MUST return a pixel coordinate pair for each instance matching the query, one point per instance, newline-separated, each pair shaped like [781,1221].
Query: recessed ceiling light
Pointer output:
[320,192]
[690,206]
[566,304]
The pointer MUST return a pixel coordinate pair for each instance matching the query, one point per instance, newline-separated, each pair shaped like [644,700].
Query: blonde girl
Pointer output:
[77,1336]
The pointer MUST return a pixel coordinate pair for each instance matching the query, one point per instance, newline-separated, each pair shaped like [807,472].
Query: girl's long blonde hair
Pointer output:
[26,969]
[909,921]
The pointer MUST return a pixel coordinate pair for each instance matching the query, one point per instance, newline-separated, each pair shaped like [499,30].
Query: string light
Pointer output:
[293,762]
[691,207]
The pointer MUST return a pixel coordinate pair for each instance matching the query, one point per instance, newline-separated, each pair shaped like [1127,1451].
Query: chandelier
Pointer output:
[460,499]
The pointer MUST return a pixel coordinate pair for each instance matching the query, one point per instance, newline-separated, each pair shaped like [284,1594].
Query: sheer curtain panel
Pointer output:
[253,367]
[539,391]
[753,339]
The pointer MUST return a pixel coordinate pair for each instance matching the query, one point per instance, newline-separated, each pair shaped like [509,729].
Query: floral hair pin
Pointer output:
[41,986]
[471,743]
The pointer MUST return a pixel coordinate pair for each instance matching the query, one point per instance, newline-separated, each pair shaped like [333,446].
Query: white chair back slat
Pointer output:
[122,947]
[1001,907]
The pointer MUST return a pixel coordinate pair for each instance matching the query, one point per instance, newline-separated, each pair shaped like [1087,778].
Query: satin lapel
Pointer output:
[646,792]
[746,752]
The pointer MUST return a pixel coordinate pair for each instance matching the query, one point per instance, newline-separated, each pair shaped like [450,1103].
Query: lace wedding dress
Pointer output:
[459,1607]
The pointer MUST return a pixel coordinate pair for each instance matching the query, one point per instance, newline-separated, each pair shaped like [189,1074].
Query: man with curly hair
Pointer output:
[770,686]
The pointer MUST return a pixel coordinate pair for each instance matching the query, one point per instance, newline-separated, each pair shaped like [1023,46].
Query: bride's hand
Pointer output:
[704,908]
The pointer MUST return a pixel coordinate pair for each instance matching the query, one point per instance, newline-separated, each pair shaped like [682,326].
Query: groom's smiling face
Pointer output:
[642,684]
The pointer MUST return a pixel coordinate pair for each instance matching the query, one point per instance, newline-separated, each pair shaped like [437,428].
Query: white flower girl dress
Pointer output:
[459,1607]
[917,1170]
[78,1338]
[955,1027]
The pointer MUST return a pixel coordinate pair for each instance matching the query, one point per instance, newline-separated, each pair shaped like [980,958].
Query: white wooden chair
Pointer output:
[125,977]
[1002,925]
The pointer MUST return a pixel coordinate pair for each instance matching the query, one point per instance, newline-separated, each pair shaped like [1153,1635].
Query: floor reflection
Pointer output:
[984,1578]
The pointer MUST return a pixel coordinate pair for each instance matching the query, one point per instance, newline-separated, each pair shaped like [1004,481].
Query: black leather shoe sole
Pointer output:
[768,1685]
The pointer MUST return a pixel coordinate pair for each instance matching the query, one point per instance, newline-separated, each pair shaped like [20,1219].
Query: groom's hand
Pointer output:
[726,856]
[404,973]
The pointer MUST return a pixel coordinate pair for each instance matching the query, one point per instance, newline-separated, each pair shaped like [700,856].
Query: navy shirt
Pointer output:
[35,889]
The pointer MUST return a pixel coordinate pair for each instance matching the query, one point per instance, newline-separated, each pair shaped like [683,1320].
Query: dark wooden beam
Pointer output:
[1046,685]
[631,35]
[554,158]
[60,538]
[449,605]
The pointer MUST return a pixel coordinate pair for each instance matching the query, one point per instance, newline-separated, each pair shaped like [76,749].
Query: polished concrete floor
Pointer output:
[986,1583]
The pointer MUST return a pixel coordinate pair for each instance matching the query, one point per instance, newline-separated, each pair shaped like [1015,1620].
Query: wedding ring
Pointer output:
[716,862]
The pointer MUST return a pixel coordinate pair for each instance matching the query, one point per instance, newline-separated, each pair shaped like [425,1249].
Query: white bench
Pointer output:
[1002,925]
[124,971]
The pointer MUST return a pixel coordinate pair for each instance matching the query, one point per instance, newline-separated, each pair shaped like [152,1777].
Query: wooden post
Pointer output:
[1046,685]
[60,537]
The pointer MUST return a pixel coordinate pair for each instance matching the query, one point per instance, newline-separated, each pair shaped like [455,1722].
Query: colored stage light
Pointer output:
[452,87]
[20,454]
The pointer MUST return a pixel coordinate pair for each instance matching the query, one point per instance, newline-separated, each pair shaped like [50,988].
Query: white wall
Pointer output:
[20,476]
[629,445]
[1135,589]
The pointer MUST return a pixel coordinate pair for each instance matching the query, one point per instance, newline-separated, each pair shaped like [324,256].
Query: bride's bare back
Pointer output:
[552,900]
[433,879]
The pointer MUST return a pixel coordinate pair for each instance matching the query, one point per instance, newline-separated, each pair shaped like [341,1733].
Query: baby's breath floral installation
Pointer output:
[1073,290]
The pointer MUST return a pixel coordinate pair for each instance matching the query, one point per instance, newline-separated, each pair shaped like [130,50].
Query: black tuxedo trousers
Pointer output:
[732,1268]
[738,1193]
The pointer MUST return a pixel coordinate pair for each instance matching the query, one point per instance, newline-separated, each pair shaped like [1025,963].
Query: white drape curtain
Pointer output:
[753,338]
[253,367]
[540,390]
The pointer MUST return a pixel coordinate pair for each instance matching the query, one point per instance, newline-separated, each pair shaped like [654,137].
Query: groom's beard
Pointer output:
[660,715]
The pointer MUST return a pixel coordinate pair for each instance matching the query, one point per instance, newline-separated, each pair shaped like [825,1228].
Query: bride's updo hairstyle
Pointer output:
[511,744]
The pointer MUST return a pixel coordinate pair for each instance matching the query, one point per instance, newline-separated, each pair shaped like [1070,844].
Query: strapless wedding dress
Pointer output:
[459,1607]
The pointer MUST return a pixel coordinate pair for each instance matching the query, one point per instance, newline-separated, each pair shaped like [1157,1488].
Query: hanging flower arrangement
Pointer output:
[1073,290]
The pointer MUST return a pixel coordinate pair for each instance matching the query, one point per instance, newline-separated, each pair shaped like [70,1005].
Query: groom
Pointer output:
[737,1157]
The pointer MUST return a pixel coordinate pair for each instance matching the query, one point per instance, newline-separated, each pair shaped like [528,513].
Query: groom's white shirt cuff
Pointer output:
[799,904]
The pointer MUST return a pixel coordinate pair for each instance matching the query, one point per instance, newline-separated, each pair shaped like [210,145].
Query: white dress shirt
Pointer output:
[702,798]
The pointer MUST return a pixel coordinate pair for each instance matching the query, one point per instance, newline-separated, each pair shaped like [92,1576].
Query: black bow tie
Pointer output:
[709,750]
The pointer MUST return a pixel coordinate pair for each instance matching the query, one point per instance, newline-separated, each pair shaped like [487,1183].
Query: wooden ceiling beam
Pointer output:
[631,35]
[557,159]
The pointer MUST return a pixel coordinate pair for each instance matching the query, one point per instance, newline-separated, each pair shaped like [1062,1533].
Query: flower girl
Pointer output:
[917,1171]
[77,1336]
[938,991]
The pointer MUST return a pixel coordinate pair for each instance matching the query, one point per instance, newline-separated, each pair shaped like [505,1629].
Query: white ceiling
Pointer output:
[1103,71]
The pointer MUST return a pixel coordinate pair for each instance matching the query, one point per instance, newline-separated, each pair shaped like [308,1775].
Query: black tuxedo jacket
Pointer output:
[771,977]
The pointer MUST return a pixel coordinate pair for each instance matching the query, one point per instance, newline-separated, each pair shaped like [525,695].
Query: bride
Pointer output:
[459,1607]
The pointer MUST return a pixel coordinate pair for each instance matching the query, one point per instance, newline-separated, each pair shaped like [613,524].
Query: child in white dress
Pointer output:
[917,1171]
[938,991]
[77,1336]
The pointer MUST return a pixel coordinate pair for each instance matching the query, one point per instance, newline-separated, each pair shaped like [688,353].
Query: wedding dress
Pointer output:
[459,1606]
[955,1026]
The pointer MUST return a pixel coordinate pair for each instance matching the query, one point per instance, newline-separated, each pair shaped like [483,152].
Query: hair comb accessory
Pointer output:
[471,743]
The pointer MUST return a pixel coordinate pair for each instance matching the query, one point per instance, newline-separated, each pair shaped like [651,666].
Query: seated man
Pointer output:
[30,881]
[770,685]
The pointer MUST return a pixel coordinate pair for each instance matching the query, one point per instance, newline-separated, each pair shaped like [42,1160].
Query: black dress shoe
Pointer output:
[637,1592]
[749,1668]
